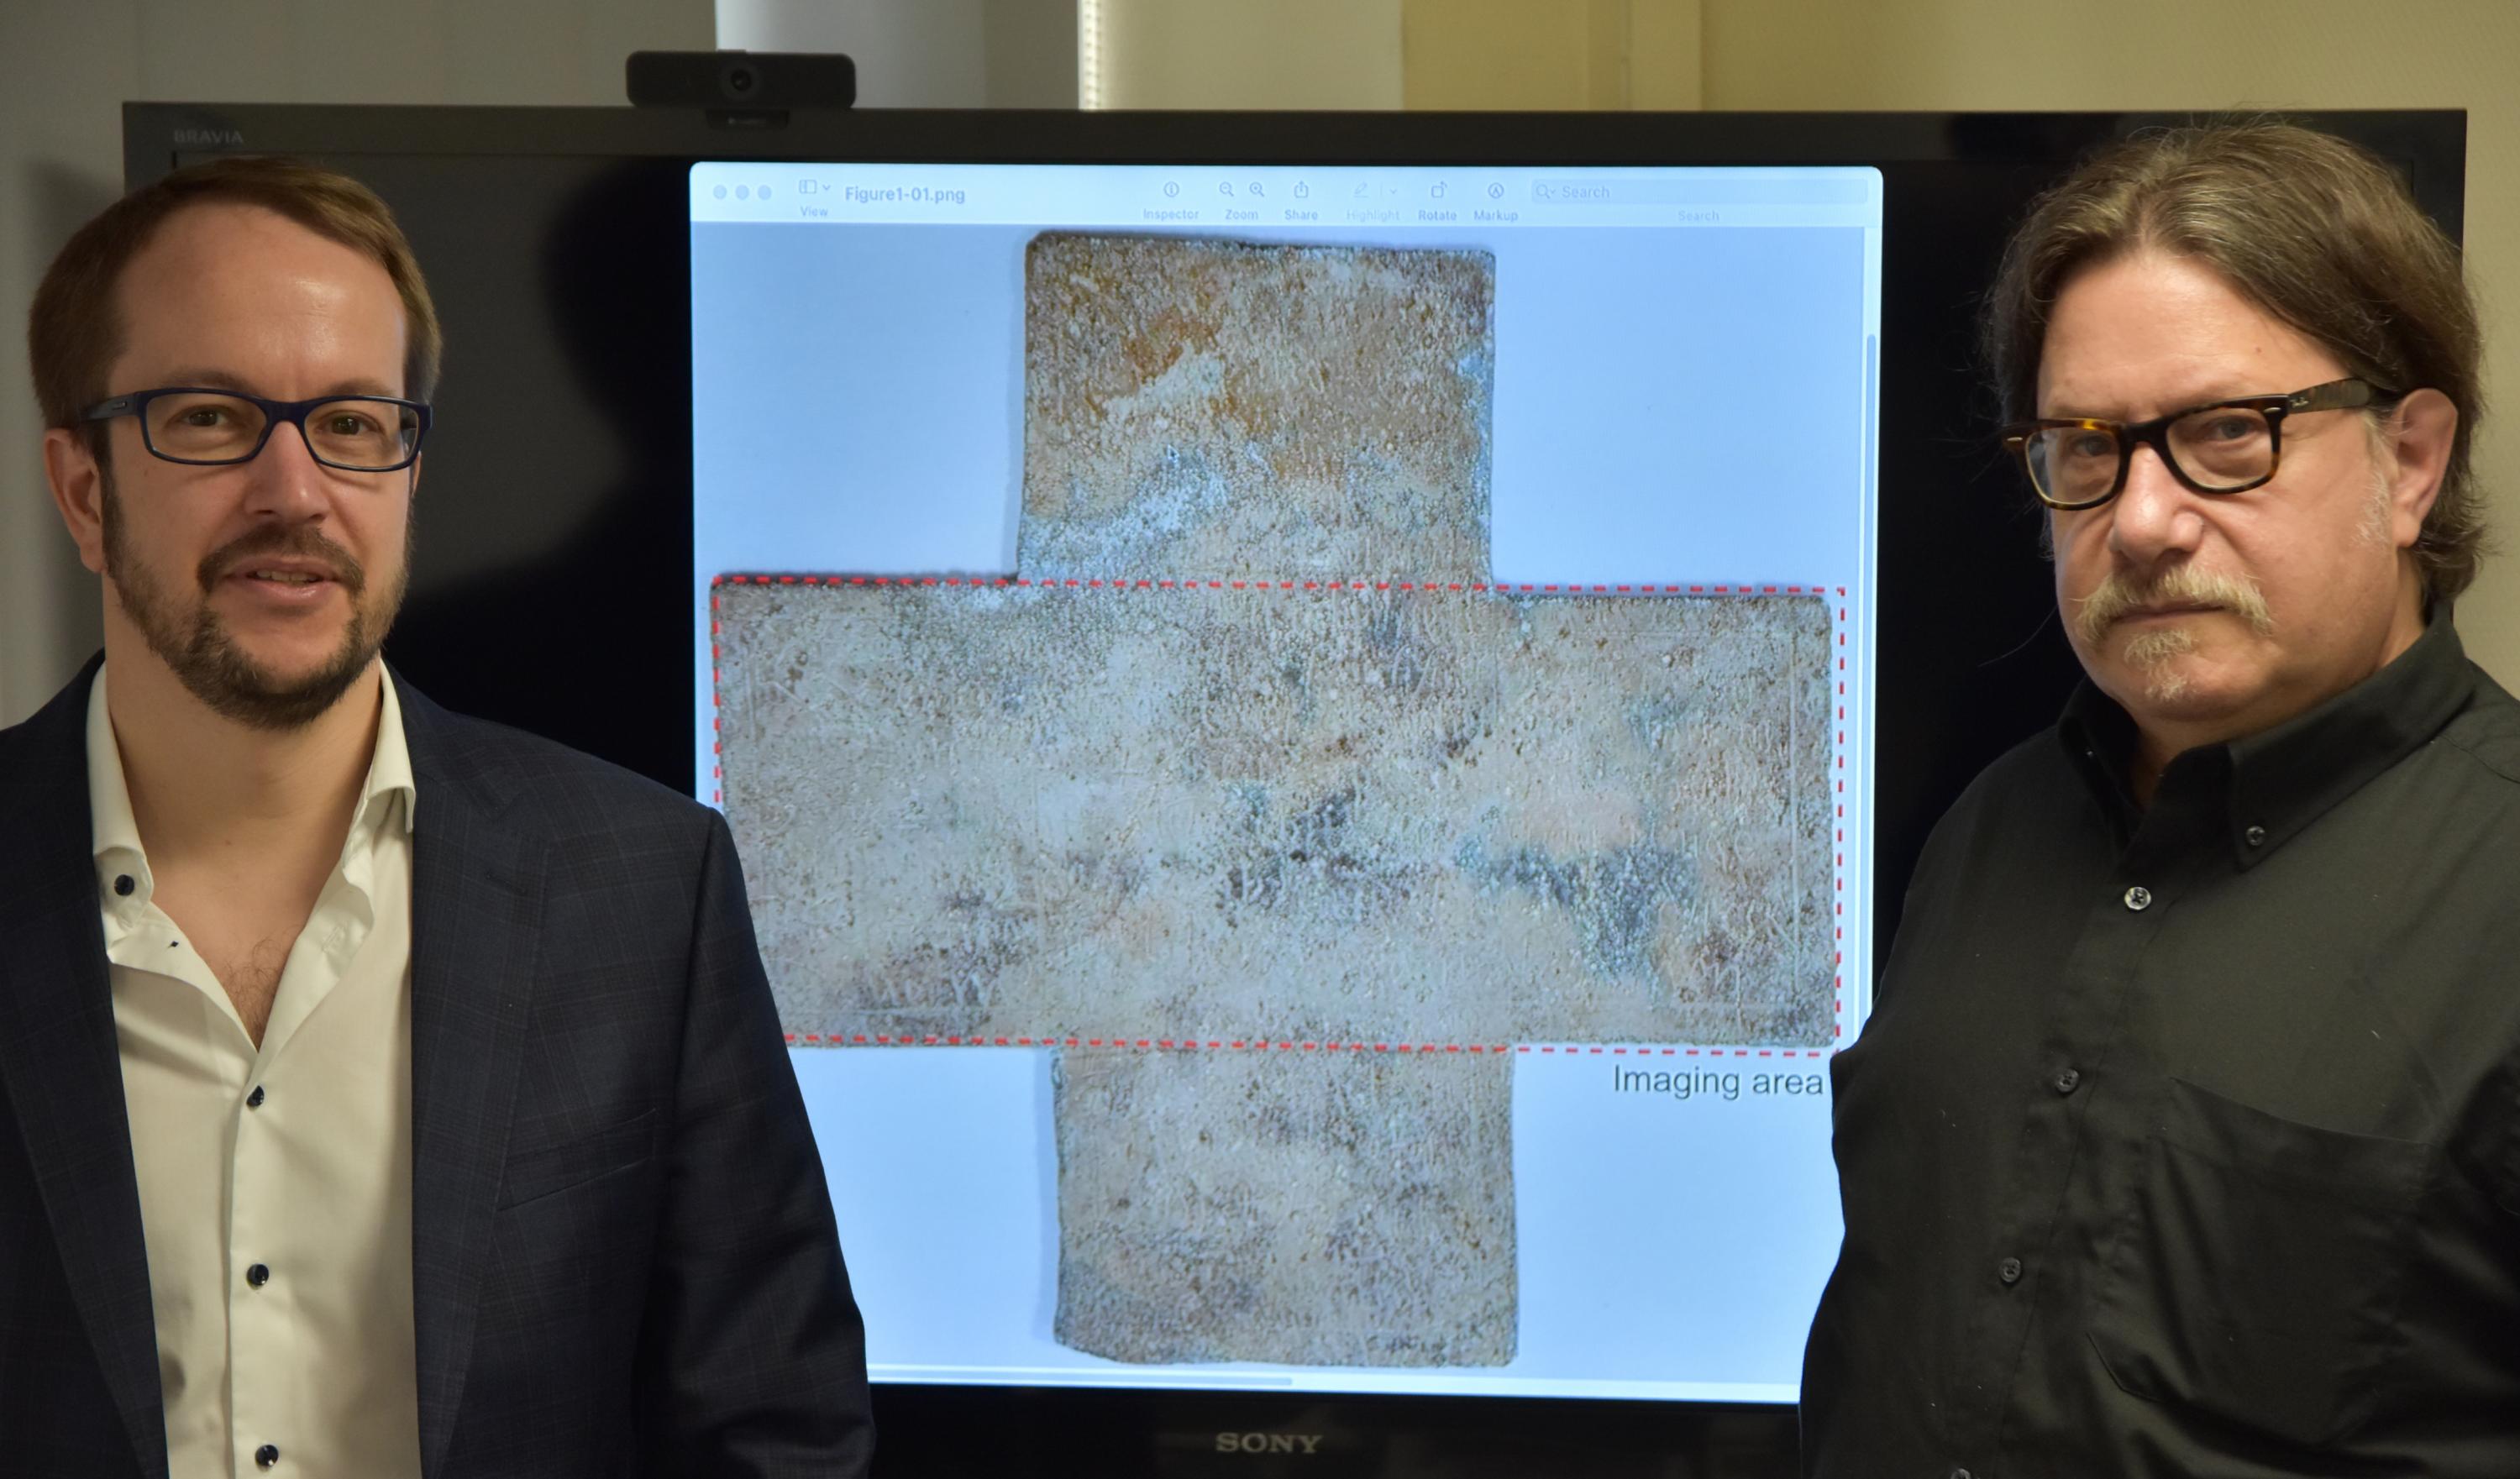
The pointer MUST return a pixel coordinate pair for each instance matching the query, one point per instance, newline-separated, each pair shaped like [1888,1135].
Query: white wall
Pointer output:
[924,53]
[910,53]
[65,68]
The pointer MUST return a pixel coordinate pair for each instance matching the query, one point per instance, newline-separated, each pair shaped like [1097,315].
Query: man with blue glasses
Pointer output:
[381,1091]
[2185,1138]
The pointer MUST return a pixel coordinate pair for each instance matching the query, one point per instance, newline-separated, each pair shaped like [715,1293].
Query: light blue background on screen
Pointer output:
[1669,405]
[1672,406]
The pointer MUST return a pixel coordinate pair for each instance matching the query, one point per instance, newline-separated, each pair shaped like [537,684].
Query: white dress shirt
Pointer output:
[275,1182]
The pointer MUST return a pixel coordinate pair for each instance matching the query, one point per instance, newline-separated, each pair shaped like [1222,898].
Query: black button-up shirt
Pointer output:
[2185,1140]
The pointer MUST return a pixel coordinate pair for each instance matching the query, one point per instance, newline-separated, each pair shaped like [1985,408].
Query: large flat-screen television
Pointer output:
[1327,715]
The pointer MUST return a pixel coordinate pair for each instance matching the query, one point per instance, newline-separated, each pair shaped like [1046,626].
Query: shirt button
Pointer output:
[254,1101]
[2009,1271]
[2257,837]
[2065,1081]
[123,885]
[257,1276]
[2139,898]
[266,1456]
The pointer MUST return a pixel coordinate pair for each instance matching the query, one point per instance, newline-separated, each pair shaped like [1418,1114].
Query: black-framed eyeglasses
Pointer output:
[208,428]
[2226,447]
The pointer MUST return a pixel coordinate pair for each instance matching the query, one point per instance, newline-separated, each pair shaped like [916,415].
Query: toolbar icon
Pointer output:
[1302,190]
[1172,188]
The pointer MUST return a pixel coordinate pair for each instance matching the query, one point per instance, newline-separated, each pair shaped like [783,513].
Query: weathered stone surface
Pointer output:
[1076,817]
[1337,816]
[1201,409]
[1291,1208]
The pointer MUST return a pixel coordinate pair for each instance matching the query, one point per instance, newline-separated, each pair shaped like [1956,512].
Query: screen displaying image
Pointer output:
[1300,738]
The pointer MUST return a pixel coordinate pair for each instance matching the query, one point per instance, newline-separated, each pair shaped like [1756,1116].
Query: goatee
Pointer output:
[196,646]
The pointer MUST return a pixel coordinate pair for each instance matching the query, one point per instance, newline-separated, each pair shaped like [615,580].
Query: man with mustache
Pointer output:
[2185,1138]
[381,1091]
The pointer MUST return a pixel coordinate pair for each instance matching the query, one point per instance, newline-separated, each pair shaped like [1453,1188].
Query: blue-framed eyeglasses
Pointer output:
[204,427]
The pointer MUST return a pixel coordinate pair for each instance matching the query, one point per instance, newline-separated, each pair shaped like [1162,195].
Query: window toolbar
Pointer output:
[1291,195]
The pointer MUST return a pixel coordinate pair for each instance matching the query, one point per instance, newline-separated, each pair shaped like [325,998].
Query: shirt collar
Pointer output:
[2285,777]
[387,796]
[389,769]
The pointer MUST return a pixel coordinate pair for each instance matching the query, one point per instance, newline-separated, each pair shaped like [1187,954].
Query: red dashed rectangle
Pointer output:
[1456,587]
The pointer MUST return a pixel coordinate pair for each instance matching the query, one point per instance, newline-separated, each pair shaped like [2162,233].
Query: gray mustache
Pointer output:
[2181,585]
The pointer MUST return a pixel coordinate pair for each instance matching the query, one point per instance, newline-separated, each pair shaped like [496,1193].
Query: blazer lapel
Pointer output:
[60,1063]
[476,909]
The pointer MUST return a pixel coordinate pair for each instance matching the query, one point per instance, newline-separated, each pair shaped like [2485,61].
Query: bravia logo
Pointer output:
[221,136]
[1268,1442]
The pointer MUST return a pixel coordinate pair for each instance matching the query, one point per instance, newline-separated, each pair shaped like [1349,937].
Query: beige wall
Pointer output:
[1823,55]
[1251,53]
[1555,54]
[65,68]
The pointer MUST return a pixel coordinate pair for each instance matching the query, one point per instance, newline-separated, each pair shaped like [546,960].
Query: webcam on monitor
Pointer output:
[741,82]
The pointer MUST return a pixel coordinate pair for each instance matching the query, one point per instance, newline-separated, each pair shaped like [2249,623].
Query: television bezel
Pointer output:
[1114,1430]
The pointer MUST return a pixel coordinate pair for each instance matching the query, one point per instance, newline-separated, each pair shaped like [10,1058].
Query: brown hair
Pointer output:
[2312,229]
[75,330]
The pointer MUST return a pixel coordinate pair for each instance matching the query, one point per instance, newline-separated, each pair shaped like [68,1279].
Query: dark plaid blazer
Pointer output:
[623,1258]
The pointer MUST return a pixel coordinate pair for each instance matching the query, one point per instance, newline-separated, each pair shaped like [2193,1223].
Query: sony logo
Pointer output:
[1268,1442]
[221,136]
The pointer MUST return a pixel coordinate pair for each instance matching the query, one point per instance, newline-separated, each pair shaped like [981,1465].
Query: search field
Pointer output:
[1802,188]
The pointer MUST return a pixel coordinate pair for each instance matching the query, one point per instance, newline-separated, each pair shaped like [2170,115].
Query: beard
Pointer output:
[2156,653]
[196,646]
[2156,656]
